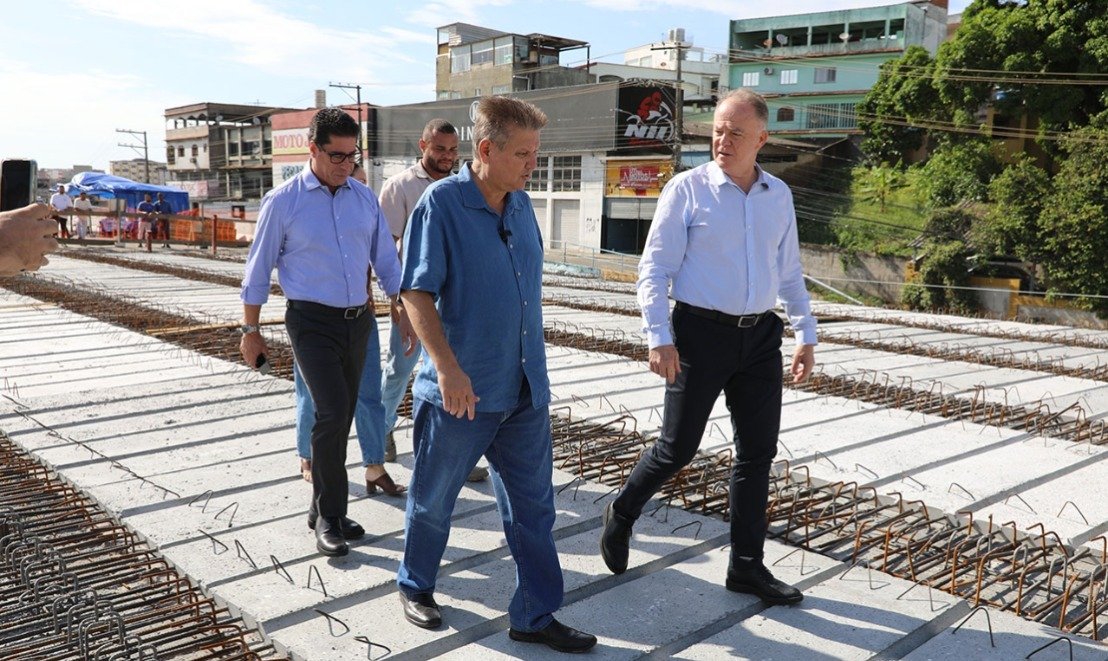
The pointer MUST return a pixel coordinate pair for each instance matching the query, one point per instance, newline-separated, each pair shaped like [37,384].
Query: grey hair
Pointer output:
[749,97]
[498,115]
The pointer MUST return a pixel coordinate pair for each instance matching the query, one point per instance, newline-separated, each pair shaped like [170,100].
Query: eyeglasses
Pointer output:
[340,157]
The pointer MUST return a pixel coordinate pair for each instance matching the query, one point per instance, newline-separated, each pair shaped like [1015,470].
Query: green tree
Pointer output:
[960,172]
[903,94]
[1074,224]
[879,183]
[943,272]
[1011,227]
[1051,39]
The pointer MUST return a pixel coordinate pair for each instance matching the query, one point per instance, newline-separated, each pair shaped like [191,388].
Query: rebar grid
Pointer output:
[1030,573]
[76,584]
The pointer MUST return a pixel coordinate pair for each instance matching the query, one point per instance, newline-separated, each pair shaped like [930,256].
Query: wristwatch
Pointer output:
[247,329]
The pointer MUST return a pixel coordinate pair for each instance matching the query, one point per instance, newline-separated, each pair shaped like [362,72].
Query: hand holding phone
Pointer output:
[261,364]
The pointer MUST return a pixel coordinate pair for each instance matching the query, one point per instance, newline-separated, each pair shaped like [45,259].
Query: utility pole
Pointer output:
[145,152]
[679,101]
[350,86]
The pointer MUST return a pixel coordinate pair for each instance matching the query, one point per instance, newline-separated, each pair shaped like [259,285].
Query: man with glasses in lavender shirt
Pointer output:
[323,231]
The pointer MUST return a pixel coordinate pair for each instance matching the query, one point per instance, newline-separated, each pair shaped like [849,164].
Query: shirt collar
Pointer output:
[312,182]
[421,172]
[474,199]
[717,177]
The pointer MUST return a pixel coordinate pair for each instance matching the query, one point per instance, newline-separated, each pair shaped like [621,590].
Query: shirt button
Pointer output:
[525,302]
[519,274]
[525,360]
[524,332]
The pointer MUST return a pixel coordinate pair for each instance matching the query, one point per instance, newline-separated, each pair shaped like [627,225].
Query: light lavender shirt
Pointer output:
[723,249]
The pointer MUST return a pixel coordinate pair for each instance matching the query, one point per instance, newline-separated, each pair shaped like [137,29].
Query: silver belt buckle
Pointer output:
[748,320]
[351,313]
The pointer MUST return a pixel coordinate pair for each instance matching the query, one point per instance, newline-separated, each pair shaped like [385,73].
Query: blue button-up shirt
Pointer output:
[487,290]
[322,244]
[724,250]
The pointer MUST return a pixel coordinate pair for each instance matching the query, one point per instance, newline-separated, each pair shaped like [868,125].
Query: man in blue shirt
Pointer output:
[146,208]
[323,231]
[724,243]
[161,222]
[472,287]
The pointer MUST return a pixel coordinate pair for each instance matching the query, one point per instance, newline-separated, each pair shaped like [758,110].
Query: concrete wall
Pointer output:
[872,275]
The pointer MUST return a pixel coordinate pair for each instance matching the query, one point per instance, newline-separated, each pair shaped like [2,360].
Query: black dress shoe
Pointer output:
[421,610]
[557,636]
[758,580]
[328,536]
[615,540]
[351,529]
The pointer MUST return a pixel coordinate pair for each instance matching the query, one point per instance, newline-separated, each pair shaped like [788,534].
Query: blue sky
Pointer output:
[73,71]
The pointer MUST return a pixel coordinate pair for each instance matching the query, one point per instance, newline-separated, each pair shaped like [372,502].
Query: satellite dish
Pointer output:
[782,39]
[844,36]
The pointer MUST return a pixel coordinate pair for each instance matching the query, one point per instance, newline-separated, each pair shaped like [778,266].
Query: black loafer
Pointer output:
[615,540]
[557,636]
[328,537]
[351,529]
[758,580]
[421,610]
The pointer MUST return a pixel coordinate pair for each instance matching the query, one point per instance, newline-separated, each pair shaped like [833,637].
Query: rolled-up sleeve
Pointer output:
[661,259]
[263,255]
[792,293]
[424,267]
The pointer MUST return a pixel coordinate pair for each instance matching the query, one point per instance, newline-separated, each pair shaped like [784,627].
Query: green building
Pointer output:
[813,69]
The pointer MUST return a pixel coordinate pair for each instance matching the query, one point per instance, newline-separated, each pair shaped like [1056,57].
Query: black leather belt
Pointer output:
[739,320]
[345,313]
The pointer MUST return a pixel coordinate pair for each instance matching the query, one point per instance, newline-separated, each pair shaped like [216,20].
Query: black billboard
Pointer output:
[645,119]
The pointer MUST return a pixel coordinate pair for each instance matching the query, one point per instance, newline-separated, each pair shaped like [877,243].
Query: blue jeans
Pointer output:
[394,381]
[368,413]
[517,445]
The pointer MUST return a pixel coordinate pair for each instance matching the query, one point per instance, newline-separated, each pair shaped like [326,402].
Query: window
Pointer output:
[482,53]
[788,77]
[476,91]
[232,149]
[501,89]
[459,59]
[540,176]
[825,75]
[181,152]
[169,154]
[646,61]
[750,79]
[786,114]
[195,151]
[832,116]
[566,174]
[502,52]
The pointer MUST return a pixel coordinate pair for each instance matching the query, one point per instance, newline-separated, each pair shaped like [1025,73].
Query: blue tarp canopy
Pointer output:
[109,186]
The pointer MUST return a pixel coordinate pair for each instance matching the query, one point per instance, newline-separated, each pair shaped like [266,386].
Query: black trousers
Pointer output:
[330,352]
[745,364]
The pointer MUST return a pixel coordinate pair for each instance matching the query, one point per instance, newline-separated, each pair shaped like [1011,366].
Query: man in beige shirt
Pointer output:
[439,148]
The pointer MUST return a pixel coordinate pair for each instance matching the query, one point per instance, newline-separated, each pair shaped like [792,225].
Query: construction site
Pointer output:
[939,489]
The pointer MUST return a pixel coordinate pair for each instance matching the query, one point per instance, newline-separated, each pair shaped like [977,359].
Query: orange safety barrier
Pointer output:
[200,231]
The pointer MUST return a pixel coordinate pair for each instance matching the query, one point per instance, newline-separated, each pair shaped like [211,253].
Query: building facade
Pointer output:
[813,69]
[290,139]
[136,170]
[475,61]
[220,150]
[604,157]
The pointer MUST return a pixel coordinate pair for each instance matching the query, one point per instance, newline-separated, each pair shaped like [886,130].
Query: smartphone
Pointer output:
[262,364]
[17,183]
